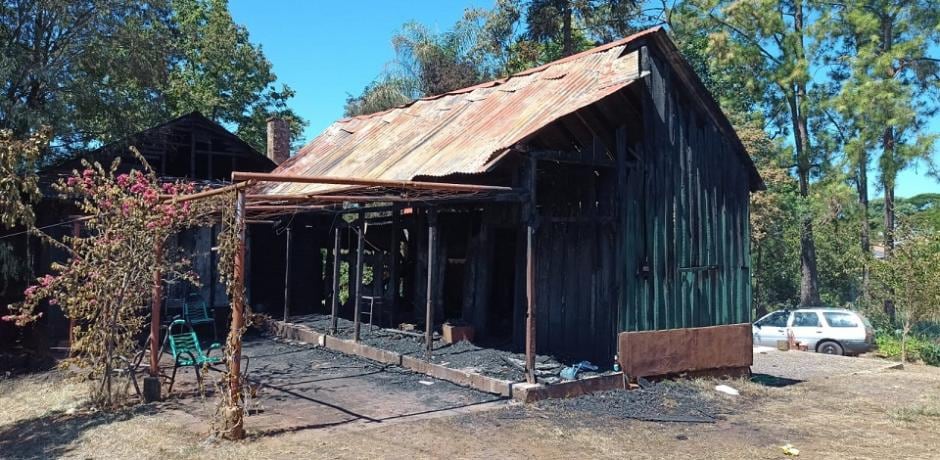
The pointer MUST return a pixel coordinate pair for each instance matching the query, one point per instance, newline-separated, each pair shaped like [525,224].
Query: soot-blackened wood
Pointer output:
[393,268]
[620,303]
[531,223]
[156,301]
[431,287]
[288,237]
[357,302]
[334,296]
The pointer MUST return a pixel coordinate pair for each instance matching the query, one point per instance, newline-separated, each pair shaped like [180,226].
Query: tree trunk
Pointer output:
[865,234]
[567,45]
[809,273]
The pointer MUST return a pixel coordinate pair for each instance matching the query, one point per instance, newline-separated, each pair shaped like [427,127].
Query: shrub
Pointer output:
[919,348]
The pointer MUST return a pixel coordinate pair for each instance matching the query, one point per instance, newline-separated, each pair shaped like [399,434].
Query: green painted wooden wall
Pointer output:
[685,218]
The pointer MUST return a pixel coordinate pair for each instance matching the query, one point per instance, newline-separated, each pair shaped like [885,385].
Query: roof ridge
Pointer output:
[522,73]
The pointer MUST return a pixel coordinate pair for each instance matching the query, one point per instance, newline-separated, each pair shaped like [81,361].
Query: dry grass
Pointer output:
[39,395]
[891,414]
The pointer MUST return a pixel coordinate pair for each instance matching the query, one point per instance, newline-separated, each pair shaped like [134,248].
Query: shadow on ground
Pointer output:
[773,380]
[52,435]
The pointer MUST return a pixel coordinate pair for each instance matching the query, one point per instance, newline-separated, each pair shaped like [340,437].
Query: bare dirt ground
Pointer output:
[317,404]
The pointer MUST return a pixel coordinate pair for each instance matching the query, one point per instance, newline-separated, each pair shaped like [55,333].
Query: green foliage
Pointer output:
[111,268]
[100,70]
[216,70]
[918,348]
[19,186]
[911,278]
[490,43]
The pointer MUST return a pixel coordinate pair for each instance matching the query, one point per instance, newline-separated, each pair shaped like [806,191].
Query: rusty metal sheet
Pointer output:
[461,131]
[670,351]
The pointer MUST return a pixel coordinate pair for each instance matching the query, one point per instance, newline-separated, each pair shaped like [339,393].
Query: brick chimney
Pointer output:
[278,149]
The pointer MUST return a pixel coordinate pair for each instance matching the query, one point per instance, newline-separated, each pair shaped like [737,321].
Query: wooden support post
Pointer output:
[358,299]
[429,319]
[213,266]
[530,212]
[152,380]
[76,233]
[288,238]
[237,428]
[156,301]
[394,252]
[530,306]
[334,300]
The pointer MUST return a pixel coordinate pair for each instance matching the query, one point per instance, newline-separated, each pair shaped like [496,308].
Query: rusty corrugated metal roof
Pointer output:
[460,131]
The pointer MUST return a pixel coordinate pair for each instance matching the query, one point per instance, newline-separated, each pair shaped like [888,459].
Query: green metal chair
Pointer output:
[186,350]
[196,312]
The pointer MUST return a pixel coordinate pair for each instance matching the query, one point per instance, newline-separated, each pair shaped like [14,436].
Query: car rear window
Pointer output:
[840,319]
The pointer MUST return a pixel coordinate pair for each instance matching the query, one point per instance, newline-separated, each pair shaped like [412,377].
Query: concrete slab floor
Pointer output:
[305,387]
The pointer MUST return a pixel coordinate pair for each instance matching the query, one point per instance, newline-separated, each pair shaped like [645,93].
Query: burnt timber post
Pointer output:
[394,247]
[152,381]
[358,300]
[288,237]
[334,296]
[238,320]
[429,318]
[76,233]
[530,213]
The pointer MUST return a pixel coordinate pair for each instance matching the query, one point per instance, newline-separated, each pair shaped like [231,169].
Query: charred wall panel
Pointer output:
[684,217]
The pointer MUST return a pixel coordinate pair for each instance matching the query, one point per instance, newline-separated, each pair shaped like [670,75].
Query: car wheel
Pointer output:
[830,348]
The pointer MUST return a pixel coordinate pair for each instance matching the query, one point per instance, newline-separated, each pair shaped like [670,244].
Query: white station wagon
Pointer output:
[834,331]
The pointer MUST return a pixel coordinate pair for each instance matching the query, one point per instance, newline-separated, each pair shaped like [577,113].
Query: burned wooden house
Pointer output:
[190,148]
[556,210]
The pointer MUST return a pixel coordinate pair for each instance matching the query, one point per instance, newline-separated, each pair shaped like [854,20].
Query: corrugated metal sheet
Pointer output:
[461,131]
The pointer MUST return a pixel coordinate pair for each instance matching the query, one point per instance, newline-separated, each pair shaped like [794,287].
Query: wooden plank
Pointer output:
[357,298]
[334,297]
[288,236]
[431,287]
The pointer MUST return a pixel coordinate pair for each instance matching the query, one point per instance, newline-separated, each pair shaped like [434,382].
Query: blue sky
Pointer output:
[325,50]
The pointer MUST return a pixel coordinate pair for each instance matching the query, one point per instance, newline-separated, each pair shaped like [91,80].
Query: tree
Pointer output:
[61,55]
[19,189]
[578,24]
[110,270]
[891,86]
[216,70]
[99,70]
[380,95]
[911,278]
[770,37]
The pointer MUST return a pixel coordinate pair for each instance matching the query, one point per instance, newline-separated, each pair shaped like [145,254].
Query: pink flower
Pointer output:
[138,187]
[71,181]
[30,291]
[45,281]
[87,173]
[123,180]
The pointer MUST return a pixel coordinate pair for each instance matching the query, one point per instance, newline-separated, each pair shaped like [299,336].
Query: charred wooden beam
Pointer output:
[578,158]
[394,247]
[288,237]
[334,300]
[530,211]
[405,184]
[358,300]
[429,318]
[156,301]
